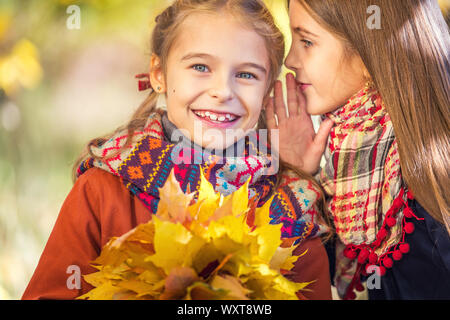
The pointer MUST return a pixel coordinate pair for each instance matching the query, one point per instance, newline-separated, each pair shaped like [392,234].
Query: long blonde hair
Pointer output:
[408,60]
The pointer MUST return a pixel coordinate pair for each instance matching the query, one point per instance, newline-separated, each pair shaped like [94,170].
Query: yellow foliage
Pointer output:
[20,68]
[445,6]
[207,249]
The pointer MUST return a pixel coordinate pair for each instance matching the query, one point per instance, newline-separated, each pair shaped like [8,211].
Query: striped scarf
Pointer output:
[362,177]
[145,166]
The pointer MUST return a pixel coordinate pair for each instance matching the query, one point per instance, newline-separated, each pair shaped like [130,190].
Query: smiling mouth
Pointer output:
[216,117]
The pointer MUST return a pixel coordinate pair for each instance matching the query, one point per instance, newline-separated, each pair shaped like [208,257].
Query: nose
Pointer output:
[293,61]
[221,88]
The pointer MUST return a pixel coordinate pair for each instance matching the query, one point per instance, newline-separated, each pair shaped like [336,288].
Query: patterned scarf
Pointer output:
[368,197]
[146,164]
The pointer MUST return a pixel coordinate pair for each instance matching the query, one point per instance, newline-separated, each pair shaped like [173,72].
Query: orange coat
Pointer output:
[100,207]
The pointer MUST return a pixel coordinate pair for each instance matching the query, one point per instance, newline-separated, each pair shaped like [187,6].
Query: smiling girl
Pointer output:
[213,63]
[386,172]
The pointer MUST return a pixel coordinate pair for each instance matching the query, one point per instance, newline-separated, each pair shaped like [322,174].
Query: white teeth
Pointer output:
[216,117]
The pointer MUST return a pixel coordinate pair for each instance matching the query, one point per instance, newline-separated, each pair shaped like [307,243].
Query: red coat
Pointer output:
[100,207]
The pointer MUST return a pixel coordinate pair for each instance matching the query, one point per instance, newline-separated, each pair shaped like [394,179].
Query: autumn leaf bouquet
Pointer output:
[214,247]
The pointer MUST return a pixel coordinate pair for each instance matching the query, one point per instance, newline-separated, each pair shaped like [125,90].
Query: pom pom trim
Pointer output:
[366,255]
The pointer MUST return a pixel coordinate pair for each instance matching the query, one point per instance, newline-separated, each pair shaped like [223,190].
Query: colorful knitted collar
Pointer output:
[363,178]
[145,166]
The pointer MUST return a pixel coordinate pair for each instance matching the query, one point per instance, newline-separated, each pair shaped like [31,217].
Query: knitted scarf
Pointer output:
[146,164]
[368,202]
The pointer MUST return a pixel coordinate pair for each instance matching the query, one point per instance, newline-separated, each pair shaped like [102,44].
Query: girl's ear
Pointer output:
[156,74]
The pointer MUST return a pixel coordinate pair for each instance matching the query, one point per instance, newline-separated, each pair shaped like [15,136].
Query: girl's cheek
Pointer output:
[254,114]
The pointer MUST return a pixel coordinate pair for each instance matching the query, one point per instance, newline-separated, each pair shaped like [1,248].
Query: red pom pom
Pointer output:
[388,263]
[373,258]
[407,212]
[359,287]
[410,195]
[382,271]
[409,227]
[397,203]
[382,234]
[397,255]
[350,296]
[350,253]
[391,222]
[363,255]
[404,248]
[377,243]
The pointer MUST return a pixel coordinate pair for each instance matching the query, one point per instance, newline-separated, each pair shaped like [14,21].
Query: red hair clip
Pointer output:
[144,84]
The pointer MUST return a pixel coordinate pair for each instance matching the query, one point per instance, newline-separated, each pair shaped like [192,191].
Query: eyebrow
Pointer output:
[208,56]
[302,30]
[195,55]
[256,66]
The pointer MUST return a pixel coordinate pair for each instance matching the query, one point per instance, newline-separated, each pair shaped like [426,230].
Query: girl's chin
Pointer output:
[218,141]
[214,146]
[314,107]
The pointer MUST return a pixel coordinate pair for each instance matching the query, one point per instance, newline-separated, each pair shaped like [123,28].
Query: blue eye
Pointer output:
[246,75]
[200,67]
[307,43]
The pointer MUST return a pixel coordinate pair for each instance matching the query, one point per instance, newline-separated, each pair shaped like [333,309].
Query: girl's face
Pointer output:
[325,75]
[216,78]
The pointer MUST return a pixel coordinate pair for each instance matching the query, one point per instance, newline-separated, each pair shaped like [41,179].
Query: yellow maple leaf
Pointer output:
[173,202]
[235,290]
[268,239]
[208,200]
[240,199]
[285,289]
[284,258]
[140,288]
[262,214]
[174,245]
[206,189]
[105,291]
[224,208]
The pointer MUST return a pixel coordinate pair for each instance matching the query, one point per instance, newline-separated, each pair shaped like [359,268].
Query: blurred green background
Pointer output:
[60,87]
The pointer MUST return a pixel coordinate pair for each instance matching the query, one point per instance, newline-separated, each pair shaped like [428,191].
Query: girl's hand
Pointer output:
[299,145]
